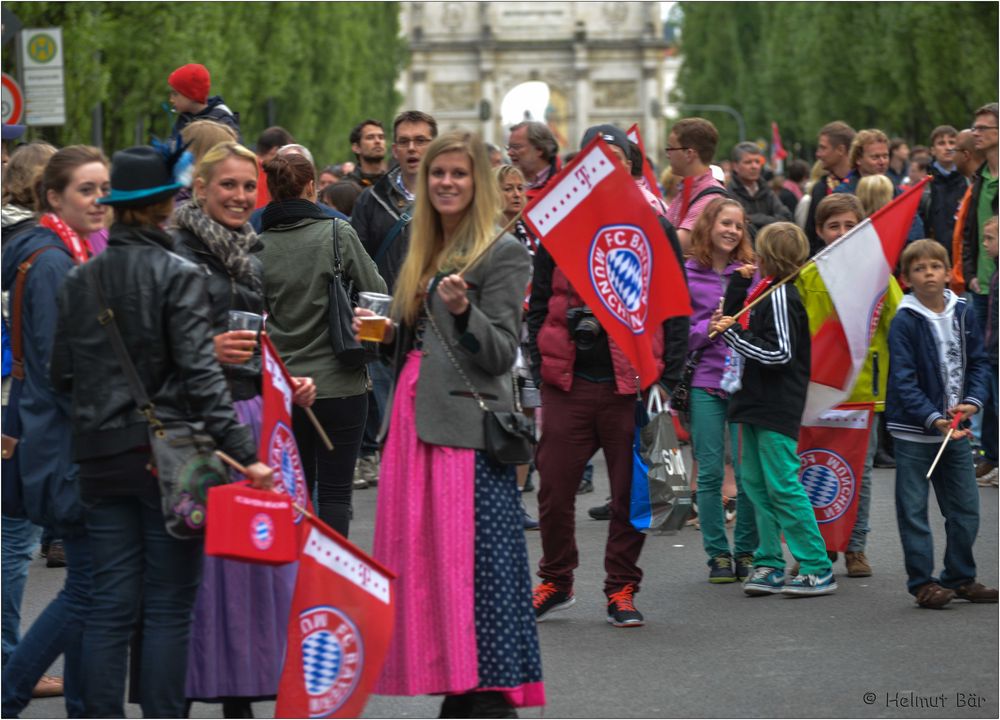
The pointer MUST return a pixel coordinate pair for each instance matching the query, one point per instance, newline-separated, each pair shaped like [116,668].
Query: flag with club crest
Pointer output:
[606,239]
[339,628]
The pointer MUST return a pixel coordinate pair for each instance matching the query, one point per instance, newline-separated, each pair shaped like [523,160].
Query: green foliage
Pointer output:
[319,67]
[901,67]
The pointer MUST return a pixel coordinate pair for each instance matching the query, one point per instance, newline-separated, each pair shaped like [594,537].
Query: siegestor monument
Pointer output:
[602,62]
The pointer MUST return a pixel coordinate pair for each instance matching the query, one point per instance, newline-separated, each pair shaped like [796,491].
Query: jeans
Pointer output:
[859,533]
[708,434]
[575,425]
[138,566]
[770,467]
[989,421]
[377,399]
[20,537]
[57,631]
[954,482]
[343,419]
[980,306]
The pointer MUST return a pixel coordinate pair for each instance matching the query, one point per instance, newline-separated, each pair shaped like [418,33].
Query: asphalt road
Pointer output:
[709,651]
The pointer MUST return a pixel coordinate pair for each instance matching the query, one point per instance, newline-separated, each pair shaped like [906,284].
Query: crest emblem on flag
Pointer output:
[620,268]
[331,658]
[262,531]
[829,481]
[283,454]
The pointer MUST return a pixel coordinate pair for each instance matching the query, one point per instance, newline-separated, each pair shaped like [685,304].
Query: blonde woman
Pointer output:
[449,519]
[874,192]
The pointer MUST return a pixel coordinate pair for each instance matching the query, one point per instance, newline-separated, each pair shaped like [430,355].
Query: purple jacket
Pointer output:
[706,288]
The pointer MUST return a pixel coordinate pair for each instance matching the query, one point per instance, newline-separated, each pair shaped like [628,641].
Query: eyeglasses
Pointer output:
[982,128]
[670,149]
[516,148]
[417,142]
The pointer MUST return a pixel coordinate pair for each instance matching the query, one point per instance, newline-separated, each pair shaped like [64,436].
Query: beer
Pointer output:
[372,328]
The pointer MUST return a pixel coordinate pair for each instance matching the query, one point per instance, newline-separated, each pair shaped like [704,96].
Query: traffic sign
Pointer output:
[42,74]
[12,101]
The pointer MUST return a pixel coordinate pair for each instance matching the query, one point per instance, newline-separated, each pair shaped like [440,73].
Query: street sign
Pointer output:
[42,74]
[12,101]
[11,24]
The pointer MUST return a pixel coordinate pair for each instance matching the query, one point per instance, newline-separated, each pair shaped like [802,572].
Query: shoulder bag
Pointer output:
[348,350]
[184,459]
[680,398]
[510,436]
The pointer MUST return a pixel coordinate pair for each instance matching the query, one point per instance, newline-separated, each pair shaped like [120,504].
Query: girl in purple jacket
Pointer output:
[720,247]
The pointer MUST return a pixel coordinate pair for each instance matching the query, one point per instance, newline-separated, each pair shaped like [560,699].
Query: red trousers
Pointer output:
[575,425]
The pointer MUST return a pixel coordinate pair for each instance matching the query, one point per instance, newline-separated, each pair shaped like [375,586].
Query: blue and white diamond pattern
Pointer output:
[321,661]
[821,485]
[625,271]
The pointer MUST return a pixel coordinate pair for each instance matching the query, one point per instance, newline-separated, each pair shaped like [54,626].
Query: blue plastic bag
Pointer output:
[660,499]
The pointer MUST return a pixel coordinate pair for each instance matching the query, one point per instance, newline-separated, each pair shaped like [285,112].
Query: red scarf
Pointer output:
[755,293]
[79,249]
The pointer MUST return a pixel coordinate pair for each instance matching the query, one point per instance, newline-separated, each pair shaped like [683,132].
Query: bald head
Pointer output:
[967,158]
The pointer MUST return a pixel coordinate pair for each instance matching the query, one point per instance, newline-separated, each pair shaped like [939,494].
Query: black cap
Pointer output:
[610,134]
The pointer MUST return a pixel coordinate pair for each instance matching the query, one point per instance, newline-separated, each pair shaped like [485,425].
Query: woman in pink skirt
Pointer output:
[449,518]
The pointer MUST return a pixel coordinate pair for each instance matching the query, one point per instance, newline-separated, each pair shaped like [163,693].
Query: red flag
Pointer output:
[832,450]
[277,447]
[339,628]
[608,242]
[647,170]
[778,152]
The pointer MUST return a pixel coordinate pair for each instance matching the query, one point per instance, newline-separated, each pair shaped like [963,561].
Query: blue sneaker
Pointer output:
[764,581]
[812,584]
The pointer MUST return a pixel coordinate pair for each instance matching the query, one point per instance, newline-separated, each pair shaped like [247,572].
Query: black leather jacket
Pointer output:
[161,306]
[226,293]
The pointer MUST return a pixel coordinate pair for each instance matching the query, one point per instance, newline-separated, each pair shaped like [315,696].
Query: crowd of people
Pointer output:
[171,247]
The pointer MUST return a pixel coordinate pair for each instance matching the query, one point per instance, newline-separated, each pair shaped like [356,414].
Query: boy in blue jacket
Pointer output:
[937,369]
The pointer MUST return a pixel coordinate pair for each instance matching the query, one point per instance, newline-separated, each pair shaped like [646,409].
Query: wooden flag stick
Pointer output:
[951,429]
[238,467]
[319,428]
[763,295]
[486,249]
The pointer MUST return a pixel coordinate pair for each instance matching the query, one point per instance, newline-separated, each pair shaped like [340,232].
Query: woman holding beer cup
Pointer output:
[449,518]
[298,259]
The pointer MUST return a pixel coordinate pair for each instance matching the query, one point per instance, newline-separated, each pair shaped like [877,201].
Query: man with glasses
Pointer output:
[532,149]
[381,218]
[690,148]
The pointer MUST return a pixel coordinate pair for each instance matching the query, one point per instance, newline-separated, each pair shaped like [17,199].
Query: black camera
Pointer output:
[583,327]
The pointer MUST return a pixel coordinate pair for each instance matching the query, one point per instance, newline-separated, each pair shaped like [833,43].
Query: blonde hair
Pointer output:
[874,192]
[429,253]
[861,140]
[205,168]
[202,135]
[24,172]
[781,247]
[502,171]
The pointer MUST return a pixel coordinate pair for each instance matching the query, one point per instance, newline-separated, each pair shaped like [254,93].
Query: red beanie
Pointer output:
[191,81]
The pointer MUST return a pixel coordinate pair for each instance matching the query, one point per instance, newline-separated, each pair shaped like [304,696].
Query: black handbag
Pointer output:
[680,398]
[184,459]
[510,436]
[346,347]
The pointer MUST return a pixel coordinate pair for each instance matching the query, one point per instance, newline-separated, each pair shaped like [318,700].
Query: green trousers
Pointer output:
[770,474]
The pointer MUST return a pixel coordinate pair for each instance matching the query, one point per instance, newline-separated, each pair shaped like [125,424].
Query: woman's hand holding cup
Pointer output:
[235,347]
[371,322]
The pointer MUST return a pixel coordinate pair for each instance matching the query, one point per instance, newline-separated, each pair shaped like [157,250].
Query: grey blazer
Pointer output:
[447,413]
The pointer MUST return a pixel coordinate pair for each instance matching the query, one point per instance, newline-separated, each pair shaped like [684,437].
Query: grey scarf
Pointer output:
[231,247]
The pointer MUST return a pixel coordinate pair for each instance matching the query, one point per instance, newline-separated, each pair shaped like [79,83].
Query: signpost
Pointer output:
[42,74]
[12,101]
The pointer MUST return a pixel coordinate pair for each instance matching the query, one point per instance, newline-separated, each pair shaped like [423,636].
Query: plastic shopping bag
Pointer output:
[661,495]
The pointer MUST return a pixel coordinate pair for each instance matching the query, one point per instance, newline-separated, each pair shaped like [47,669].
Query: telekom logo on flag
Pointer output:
[608,242]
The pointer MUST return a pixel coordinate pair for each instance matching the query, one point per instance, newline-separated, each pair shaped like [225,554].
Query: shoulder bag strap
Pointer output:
[338,264]
[16,333]
[391,236]
[106,317]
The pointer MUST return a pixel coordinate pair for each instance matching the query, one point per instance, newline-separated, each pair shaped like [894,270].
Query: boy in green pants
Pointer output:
[776,347]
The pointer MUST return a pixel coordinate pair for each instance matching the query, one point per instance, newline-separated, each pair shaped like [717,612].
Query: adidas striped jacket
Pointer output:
[776,373]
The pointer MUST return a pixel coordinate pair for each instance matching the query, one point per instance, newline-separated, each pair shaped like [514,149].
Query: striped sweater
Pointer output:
[776,374]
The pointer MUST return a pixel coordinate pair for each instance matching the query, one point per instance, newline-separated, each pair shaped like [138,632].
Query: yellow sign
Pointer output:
[42,48]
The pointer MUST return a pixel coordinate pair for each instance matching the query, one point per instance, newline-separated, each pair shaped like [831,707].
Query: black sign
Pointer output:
[11,25]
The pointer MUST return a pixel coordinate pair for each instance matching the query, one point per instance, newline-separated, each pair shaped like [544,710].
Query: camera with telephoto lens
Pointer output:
[583,327]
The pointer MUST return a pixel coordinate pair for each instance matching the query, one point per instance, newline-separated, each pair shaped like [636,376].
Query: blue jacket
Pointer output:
[41,476]
[916,395]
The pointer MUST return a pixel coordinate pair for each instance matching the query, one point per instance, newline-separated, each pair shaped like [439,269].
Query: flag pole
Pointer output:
[309,413]
[503,231]
[765,294]
[240,468]
[951,429]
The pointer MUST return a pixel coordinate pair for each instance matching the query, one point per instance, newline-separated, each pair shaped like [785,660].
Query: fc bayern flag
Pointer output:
[832,450]
[647,171]
[277,448]
[339,628]
[594,221]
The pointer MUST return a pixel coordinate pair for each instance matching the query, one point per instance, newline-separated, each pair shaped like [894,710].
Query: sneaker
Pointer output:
[621,610]
[547,598]
[983,467]
[811,584]
[56,557]
[934,596]
[587,481]
[601,512]
[744,566]
[729,510]
[976,593]
[721,569]
[987,479]
[359,476]
[884,460]
[764,581]
[529,522]
[369,465]
[857,564]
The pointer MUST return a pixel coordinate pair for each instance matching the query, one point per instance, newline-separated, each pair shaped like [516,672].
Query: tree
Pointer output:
[317,68]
